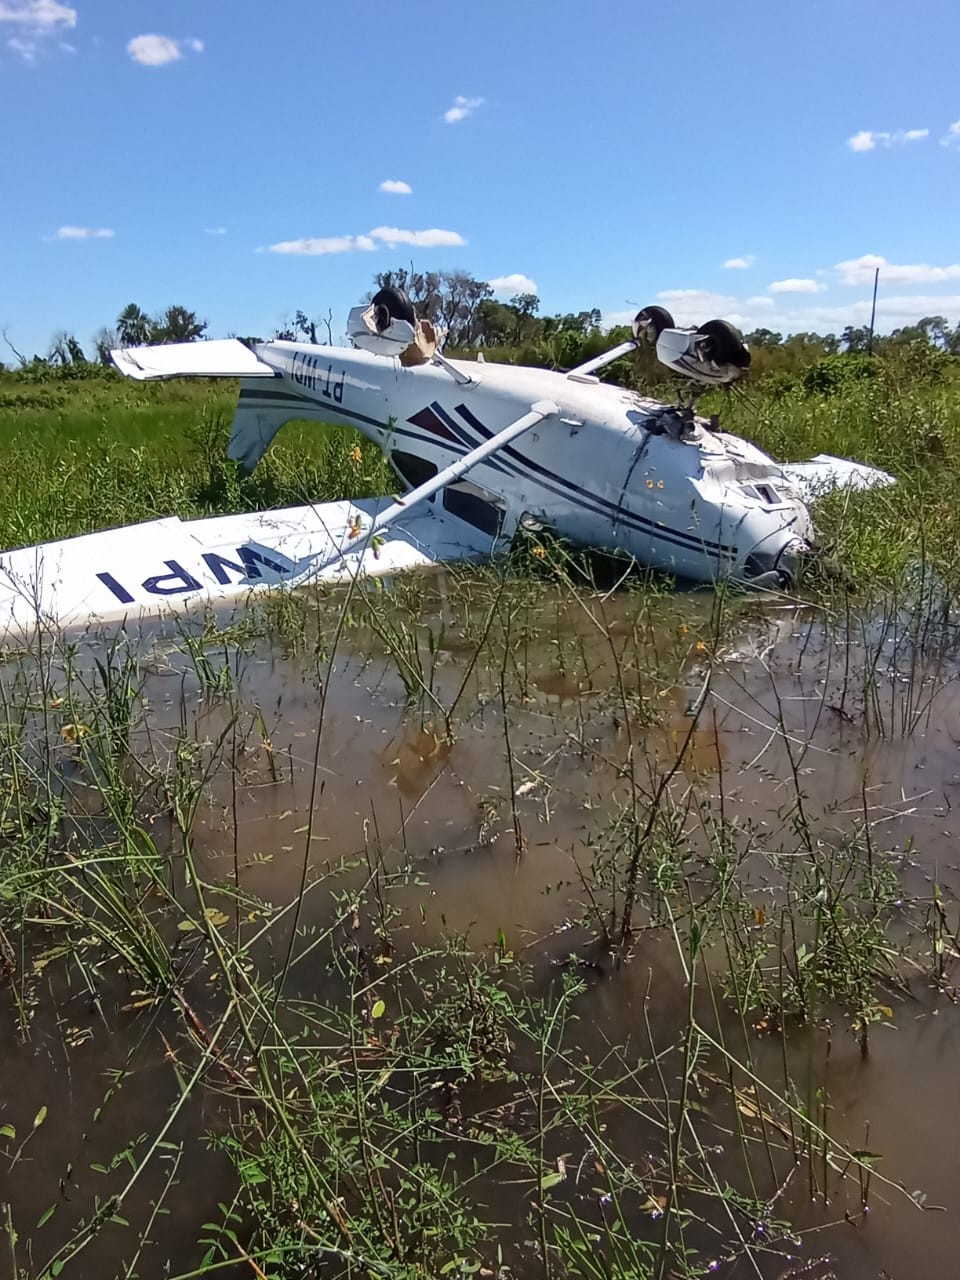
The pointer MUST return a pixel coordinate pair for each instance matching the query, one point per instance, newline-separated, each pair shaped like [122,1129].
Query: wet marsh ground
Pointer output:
[494,922]
[501,923]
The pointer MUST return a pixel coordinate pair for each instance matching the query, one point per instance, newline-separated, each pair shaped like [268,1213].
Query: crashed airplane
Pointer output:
[479,449]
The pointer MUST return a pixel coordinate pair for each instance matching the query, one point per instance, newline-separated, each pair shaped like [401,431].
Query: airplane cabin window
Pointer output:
[412,468]
[468,502]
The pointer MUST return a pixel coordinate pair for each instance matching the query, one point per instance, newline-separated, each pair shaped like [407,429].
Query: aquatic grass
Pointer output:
[393,1100]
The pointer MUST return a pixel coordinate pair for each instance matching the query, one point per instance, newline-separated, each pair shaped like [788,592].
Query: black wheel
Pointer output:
[392,304]
[651,322]
[724,344]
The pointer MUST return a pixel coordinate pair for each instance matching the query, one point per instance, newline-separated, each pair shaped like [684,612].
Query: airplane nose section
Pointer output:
[774,569]
[789,561]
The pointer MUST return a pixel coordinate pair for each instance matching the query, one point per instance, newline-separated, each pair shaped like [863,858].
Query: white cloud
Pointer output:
[796,285]
[375,239]
[25,48]
[33,22]
[84,233]
[869,140]
[915,307]
[313,245]
[38,15]
[510,286]
[462,107]
[862,141]
[215,231]
[394,187]
[434,238]
[693,306]
[784,315]
[739,264]
[861,270]
[952,137]
[158,51]
[154,51]
[892,313]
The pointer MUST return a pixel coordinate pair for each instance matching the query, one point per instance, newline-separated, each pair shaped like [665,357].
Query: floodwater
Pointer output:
[861,720]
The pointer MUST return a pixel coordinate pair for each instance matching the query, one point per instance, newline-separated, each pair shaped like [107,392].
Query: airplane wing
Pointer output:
[218,358]
[170,565]
[823,474]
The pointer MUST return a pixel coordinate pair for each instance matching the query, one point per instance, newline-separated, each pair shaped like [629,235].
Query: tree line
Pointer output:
[133,328]
[474,319]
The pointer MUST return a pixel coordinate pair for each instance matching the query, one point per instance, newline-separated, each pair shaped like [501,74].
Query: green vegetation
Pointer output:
[900,412]
[92,452]
[495,925]
[387,1094]
[84,449]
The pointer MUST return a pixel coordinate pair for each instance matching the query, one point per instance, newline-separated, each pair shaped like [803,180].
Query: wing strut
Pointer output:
[607,357]
[538,412]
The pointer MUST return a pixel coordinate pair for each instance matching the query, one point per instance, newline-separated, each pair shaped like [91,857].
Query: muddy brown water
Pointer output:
[870,724]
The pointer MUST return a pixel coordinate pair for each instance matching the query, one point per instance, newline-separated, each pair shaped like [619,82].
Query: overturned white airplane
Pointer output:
[480,448]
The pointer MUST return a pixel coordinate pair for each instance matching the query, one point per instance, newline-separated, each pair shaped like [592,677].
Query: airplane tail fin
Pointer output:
[261,411]
[262,408]
[219,358]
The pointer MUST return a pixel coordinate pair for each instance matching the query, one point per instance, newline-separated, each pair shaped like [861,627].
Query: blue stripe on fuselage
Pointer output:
[520,466]
[596,503]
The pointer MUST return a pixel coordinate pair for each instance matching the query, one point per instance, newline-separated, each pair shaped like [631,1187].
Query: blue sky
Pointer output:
[230,156]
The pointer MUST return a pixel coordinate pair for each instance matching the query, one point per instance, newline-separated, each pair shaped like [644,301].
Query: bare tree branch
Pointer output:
[20,356]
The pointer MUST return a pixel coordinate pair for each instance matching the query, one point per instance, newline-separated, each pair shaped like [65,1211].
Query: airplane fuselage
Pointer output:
[610,469]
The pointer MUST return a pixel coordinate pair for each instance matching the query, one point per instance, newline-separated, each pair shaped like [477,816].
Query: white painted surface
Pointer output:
[822,474]
[218,358]
[608,468]
[167,566]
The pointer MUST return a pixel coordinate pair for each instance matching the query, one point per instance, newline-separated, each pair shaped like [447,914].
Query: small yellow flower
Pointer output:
[684,628]
[74,732]
[700,647]
[356,455]
[540,553]
[649,484]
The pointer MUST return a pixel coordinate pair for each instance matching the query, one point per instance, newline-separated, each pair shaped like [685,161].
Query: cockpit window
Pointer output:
[762,493]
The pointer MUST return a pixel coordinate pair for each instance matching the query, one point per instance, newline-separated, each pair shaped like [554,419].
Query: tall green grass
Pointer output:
[902,415]
[92,454]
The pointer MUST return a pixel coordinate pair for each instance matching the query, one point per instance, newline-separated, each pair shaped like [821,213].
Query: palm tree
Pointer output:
[134,327]
[178,325]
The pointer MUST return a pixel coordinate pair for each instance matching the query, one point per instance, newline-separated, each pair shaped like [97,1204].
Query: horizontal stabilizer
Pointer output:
[823,474]
[220,358]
